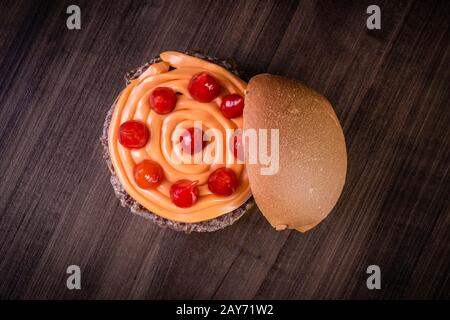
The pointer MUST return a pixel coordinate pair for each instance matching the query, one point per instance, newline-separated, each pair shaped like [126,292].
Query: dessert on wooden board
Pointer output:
[183,142]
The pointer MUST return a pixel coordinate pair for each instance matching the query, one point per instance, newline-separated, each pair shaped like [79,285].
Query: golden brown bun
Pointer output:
[313,157]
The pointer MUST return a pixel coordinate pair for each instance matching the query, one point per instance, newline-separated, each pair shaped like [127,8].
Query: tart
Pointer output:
[147,127]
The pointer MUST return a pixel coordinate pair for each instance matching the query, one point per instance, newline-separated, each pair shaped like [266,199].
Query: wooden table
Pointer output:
[389,87]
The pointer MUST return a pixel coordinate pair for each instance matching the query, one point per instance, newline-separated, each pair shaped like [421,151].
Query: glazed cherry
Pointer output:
[133,134]
[204,87]
[232,105]
[148,174]
[192,140]
[237,146]
[163,100]
[222,182]
[184,193]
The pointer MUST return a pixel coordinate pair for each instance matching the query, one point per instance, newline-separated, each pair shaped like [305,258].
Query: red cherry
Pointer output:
[204,87]
[184,193]
[192,140]
[232,105]
[133,134]
[148,174]
[237,145]
[163,100]
[222,182]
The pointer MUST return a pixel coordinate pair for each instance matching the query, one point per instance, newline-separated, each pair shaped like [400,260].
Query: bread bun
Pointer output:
[312,152]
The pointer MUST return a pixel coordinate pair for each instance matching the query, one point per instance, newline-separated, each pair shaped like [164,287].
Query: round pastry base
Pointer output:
[127,201]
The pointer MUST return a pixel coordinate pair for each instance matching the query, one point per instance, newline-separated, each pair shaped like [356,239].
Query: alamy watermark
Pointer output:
[73,281]
[73,22]
[257,146]
[374,20]
[374,280]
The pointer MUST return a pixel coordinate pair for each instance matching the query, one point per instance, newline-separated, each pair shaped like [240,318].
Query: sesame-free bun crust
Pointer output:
[313,157]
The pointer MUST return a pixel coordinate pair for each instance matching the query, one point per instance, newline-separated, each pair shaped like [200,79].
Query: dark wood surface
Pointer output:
[390,89]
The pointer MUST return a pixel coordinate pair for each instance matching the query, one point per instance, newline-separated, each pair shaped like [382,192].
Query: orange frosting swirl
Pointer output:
[165,130]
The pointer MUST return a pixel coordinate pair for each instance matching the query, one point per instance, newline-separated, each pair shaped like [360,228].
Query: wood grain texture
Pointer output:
[389,87]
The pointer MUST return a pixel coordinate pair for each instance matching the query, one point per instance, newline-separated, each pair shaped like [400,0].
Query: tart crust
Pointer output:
[127,201]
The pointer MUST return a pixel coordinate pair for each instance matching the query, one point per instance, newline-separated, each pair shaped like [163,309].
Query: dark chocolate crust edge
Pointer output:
[127,201]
